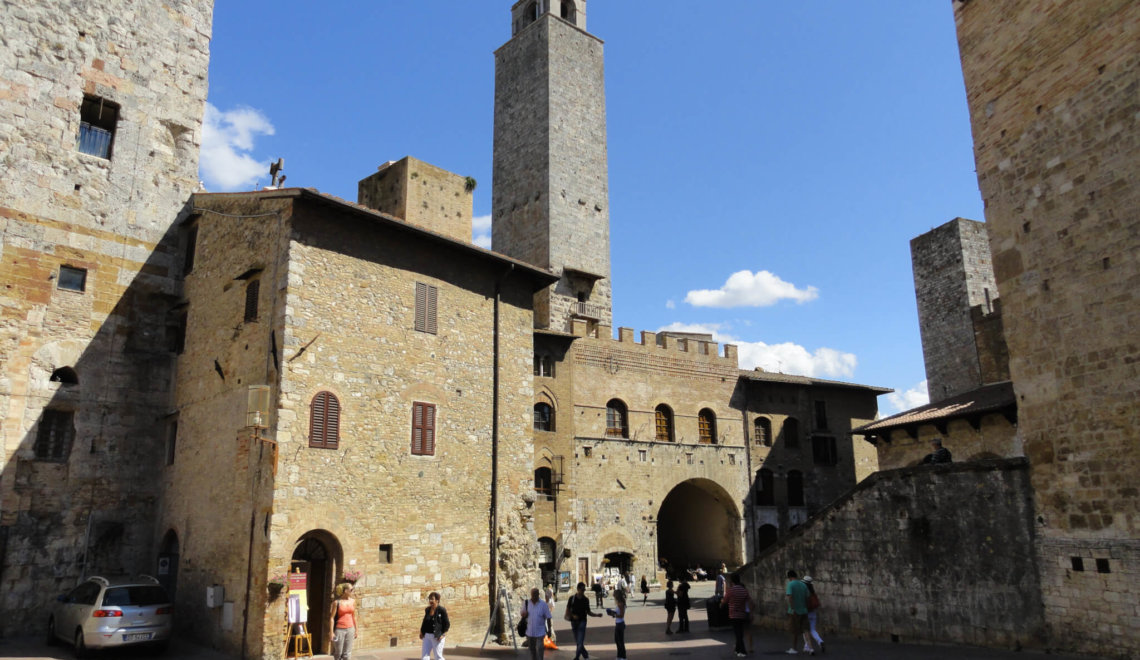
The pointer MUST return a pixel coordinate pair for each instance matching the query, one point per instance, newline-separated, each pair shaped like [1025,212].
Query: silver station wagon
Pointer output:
[111,613]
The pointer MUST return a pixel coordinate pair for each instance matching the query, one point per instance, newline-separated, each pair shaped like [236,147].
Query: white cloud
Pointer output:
[227,137]
[481,231]
[912,398]
[745,289]
[669,304]
[785,358]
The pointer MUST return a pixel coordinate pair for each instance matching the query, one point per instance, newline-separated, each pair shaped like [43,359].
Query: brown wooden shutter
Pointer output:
[251,291]
[324,421]
[426,299]
[423,428]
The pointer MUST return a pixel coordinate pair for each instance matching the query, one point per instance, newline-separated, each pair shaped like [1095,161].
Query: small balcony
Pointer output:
[588,311]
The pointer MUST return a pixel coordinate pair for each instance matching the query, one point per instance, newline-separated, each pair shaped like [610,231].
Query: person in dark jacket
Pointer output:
[683,606]
[939,455]
[670,607]
[433,628]
[579,608]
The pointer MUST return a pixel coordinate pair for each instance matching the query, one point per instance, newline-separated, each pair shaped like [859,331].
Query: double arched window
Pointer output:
[617,419]
[706,423]
[663,422]
[324,421]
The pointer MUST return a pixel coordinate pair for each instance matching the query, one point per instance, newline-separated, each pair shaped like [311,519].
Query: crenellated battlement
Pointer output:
[690,347]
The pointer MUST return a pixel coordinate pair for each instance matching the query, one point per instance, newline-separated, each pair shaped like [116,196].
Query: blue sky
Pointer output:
[769,161]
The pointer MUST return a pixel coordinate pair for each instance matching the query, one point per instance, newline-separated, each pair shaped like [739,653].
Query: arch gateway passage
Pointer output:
[698,523]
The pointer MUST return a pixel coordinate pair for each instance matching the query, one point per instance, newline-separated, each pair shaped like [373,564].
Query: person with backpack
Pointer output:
[577,609]
[812,605]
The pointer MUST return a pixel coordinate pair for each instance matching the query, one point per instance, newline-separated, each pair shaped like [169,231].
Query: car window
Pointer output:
[84,594]
[137,595]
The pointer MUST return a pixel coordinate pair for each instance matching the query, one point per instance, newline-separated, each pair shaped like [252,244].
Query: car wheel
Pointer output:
[80,647]
[51,640]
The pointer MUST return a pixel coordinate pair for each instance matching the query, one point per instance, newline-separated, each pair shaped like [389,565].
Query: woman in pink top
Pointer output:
[343,621]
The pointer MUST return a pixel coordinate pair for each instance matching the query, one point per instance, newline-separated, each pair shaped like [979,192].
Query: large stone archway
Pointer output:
[699,523]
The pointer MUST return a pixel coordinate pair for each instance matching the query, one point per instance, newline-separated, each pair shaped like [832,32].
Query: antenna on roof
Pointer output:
[275,170]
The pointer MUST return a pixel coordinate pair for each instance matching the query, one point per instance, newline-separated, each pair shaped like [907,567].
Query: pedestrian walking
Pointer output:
[644,590]
[670,607]
[548,596]
[736,600]
[343,621]
[812,608]
[537,614]
[577,609]
[618,613]
[796,593]
[599,592]
[683,604]
[433,628]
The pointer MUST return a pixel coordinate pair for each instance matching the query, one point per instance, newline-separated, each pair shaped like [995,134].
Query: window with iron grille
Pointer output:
[426,298]
[821,415]
[824,450]
[763,431]
[55,434]
[617,419]
[706,421]
[97,121]
[663,422]
[252,288]
[324,421]
[543,417]
[791,433]
[423,429]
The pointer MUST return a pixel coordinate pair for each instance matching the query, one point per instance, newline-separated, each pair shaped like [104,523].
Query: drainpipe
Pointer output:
[494,536]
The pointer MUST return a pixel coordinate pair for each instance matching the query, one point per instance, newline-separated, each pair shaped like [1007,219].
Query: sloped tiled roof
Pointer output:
[972,405]
[791,379]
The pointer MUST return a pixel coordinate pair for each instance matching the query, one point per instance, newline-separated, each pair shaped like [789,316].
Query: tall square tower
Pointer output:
[551,185]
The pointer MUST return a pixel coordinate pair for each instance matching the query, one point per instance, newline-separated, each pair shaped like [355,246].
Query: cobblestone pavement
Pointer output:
[645,640]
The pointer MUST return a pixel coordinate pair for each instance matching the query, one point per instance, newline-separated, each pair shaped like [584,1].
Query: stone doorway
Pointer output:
[698,523]
[318,554]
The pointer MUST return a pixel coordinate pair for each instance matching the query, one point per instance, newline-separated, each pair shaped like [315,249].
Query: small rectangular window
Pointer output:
[732,459]
[821,415]
[824,451]
[55,434]
[587,451]
[252,288]
[426,298]
[97,121]
[689,459]
[385,553]
[423,429]
[642,455]
[1102,566]
[72,279]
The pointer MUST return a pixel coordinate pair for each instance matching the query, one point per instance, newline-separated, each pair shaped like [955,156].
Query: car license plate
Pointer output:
[137,637]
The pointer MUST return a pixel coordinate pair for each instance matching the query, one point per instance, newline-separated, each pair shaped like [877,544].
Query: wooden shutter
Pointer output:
[426,300]
[324,421]
[423,428]
[251,290]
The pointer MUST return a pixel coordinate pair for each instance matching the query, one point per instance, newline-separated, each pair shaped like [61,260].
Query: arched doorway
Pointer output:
[698,523]
[167,570]
[766,535]
[318,555]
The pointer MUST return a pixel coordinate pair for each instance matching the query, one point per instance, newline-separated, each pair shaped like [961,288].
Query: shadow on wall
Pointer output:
[934,553]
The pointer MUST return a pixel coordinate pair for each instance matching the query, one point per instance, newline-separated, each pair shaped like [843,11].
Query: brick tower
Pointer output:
[551,187]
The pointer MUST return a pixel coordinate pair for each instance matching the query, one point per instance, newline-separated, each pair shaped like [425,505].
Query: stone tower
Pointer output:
[1052,91]
[952,274]
[551,187]
[102,112]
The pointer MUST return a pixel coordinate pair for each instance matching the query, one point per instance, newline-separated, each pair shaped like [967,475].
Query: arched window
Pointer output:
[324,421]
[795,488]
[65,375]
[706,421]
[530,14]
[617,419]
[546,550]
[765,489]
[663,416]
[543,417]
[766,536]
[567,10]
[762,433]
[791,433]
[544,483]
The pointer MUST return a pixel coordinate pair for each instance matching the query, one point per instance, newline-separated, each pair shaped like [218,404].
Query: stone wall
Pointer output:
[896,558]
[952,273]
[91,510]
[421,194]
[1053,106]
[993,437]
